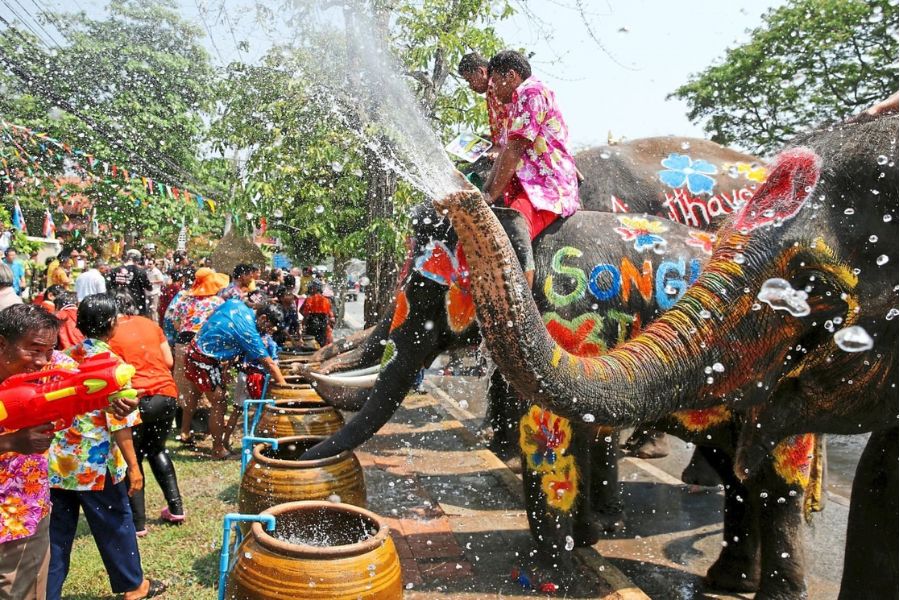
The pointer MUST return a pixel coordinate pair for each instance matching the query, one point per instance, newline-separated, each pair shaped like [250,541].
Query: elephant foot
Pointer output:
[700,472]
[647,444]
[731,574]
[598,526]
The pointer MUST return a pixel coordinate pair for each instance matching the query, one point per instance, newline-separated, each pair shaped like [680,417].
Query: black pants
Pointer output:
[150,436]
[316,325]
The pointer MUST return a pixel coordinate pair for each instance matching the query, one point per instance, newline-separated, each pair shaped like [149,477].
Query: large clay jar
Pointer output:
[286,418]
[293,390]
[319,550]
[277,476]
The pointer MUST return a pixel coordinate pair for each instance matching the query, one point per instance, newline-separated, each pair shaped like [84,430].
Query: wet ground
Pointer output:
[673,532]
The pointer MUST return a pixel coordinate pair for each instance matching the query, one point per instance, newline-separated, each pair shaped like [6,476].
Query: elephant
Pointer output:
[602,276]
[794,315]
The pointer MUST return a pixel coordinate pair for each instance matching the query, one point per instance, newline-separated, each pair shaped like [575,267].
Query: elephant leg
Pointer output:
[503,414]
[553,490]
[606,504]
[780,495]
[737,568]
[699,471]
[870,558]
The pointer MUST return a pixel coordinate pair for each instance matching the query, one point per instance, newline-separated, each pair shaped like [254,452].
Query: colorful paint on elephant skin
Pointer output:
[644,232]
[585,334]
[681,170]
[702,239]
[794,458]
[449,268]
[608,281]
[751,171]
[688,209]
[700,420]
[401,311]
[544,439]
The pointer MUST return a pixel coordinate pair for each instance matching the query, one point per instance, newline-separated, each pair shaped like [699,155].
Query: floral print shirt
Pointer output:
[81,454]
[547,169]
[24,489]
[189,313]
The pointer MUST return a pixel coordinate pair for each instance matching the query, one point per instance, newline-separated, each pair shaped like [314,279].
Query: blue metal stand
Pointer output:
[225,562]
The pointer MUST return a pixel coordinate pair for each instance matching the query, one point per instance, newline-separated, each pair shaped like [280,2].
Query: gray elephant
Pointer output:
[794,315]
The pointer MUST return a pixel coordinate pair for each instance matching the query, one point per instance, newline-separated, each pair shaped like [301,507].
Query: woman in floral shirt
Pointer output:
[27,338]
[88,463]
[186,315]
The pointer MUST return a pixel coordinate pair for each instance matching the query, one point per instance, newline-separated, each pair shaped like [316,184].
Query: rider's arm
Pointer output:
[505,167]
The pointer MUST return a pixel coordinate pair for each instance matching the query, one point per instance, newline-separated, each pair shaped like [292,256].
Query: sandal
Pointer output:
[156,588]
[166,515]
[186,442]
[227,454]
[141,533]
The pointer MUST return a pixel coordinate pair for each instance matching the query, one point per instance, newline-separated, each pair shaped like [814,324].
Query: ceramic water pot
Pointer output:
[286,418]
[358,560]
[277,476]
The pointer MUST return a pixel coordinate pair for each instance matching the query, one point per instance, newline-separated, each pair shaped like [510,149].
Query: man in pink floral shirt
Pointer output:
[27,338]
[535,173]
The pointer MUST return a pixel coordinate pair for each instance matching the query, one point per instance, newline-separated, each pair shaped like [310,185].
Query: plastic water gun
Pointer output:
[29,399]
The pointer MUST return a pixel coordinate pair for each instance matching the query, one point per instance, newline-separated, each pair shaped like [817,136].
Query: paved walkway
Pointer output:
[456,510]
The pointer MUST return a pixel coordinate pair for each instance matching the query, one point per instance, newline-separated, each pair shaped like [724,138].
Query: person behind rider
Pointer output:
[474,69]
[535,173]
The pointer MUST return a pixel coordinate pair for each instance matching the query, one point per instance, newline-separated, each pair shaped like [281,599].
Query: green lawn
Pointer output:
[186,556]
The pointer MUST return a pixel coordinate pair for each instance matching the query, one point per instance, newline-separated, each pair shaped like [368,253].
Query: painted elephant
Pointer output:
[602,276]
[792,322]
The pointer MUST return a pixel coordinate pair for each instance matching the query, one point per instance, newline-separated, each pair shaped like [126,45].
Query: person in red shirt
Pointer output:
[66,305]
[141,343]
[318,318]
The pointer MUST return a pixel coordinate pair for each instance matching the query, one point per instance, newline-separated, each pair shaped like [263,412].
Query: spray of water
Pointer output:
[393,127]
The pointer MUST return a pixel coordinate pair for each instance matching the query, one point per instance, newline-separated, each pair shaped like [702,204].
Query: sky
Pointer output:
[649,48]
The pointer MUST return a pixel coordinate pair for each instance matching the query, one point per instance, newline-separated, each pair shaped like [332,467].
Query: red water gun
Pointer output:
[29,399]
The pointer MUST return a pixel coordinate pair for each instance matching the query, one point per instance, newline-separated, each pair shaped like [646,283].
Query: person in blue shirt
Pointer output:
[232,333]
[17,268]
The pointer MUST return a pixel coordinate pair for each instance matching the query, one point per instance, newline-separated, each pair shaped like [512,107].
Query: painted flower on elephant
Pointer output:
[543,437]
[579,336]
[680,170]
[794,458]
[702,239]
[699,420]
[643,231]
[449,268]
[561,485]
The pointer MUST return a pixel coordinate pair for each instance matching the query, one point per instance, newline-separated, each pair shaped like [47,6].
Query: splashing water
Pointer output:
[392,126]
[853,339]
[779,294]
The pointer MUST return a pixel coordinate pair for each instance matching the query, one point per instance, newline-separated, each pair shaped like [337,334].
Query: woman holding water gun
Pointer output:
[88,464]
[27,338]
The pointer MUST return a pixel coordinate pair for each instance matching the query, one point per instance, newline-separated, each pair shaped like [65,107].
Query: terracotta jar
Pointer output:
[293,390]
[276,476]
[319,550]
[298,417]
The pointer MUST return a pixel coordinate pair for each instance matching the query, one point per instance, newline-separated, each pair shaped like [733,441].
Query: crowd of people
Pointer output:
[191,334]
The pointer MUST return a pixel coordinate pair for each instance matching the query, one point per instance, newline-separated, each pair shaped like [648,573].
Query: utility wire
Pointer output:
[39,24]
[212,39]
[20,19]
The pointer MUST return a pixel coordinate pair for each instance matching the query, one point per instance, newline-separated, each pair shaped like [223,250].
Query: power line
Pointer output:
[212,39]
[20,19]
[38,22]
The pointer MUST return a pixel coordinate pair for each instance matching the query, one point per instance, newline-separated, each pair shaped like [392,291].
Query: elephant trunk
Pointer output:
[639,381]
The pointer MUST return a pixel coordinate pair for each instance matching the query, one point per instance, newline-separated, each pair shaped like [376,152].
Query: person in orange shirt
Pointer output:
[141,343]
[318,318]
[60,274]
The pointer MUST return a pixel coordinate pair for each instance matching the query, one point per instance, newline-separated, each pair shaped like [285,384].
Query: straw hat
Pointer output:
[207,282]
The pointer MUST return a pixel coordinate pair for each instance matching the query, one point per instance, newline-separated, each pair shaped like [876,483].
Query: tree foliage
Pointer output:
[811,61]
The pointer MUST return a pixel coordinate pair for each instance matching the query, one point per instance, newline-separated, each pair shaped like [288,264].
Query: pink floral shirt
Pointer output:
[547,169]
[24,489]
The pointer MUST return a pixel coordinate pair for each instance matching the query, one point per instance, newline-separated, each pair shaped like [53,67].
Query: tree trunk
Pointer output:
[339,284]
[381,266]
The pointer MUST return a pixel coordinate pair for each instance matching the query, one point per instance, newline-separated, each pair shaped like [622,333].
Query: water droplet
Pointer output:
[248,555]
[409,586]
[587,418]
[799,79]
[853,339]
[891,314]
[320,209]
[779,294]
[685,145]
[709,380]
[334,498]
[882,159]
[873,238]
[881,260]
[849,211]
[784,555]
[604,155]
[570,543]
[886,218]
[740,258]
[705,314]
[707,370]
[428,325]
[718,367]
[463,404]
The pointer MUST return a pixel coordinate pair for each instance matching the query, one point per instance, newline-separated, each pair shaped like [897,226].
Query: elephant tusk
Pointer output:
[363,381]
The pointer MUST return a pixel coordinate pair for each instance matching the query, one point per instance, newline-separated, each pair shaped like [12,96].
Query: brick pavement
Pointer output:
[456,511]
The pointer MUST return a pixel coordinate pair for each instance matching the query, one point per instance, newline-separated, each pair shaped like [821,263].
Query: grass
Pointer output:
[185,556]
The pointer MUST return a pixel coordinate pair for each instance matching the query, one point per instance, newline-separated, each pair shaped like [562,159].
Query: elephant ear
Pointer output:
[792,179]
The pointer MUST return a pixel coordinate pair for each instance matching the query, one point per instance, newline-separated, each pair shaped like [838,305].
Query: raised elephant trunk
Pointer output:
[644,378]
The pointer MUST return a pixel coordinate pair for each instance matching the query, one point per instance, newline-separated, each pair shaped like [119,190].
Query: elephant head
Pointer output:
[796,290]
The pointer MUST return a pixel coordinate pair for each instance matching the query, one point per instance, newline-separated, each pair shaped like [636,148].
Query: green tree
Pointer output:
[129,89]
[811,61]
